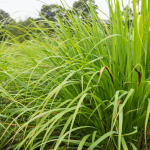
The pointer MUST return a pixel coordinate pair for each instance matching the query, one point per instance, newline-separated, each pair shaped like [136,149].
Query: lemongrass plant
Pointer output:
[86,88]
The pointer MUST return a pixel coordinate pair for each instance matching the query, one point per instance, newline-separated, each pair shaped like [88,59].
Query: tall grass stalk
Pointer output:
[85,87]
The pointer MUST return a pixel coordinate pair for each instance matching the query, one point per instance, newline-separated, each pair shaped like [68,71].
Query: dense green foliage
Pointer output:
[82,8]
[87,87]
[50,12]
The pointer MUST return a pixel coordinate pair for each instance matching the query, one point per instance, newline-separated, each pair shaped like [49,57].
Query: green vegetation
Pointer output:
[87,87]
[50,12]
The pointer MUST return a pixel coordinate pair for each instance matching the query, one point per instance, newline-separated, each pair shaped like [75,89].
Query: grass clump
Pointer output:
[85,88]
